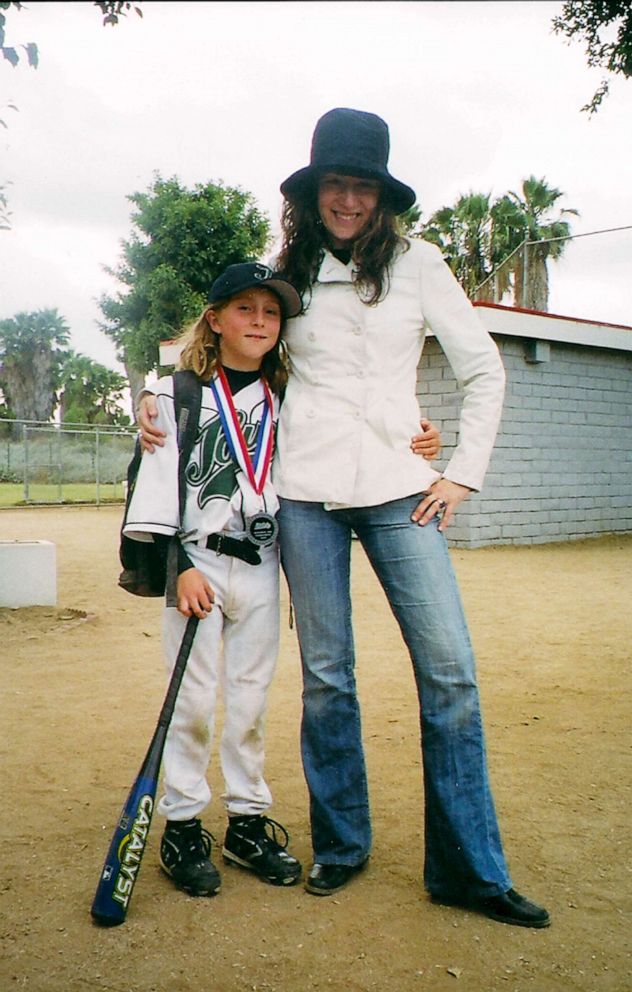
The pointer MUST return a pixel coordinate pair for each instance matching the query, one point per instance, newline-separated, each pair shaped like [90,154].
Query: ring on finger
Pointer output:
[442,504]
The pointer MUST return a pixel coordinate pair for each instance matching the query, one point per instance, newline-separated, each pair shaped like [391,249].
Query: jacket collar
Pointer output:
[333,270]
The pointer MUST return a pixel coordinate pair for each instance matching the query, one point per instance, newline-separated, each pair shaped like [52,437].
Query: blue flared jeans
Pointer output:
[463,850]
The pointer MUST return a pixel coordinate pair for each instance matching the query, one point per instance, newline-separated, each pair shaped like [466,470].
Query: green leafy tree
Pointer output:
[31,355]
[183,239]
[605,27]
[90,392]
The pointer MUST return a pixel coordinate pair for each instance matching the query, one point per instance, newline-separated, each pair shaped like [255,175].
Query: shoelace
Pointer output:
[268,822]
[199,843]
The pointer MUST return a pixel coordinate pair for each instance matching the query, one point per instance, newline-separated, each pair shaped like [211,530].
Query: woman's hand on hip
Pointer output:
[150,435]
[428,443]
[443,499]
[194,594]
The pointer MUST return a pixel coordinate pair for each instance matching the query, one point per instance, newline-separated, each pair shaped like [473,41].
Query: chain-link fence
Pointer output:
[68,463]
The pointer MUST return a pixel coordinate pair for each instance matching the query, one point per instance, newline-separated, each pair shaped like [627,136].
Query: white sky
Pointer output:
[477,95]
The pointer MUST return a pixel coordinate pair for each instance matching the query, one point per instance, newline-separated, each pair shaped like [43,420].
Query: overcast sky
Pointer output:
[478,96]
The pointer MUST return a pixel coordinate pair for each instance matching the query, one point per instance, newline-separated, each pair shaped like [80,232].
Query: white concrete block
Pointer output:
[28,573]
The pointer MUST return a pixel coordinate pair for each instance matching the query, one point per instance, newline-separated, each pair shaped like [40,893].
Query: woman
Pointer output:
[344,466]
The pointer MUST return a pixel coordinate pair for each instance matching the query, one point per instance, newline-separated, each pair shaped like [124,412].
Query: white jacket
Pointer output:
[351,408]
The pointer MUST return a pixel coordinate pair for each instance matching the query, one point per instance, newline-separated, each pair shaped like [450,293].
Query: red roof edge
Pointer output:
[545,313]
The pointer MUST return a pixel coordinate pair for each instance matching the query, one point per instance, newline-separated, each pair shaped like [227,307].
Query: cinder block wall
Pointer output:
[562,464]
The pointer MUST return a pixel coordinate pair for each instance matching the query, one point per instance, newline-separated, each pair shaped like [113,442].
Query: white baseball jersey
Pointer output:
[220,497]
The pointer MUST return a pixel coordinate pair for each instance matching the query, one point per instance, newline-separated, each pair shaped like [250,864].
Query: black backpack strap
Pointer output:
[187,400]
[151,568]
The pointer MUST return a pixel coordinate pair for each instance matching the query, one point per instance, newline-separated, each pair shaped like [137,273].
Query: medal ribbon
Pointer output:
[255,468]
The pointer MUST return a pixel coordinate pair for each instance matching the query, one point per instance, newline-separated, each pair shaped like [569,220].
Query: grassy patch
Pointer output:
[12,493]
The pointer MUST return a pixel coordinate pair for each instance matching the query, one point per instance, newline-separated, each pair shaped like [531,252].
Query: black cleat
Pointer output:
[185,855]
[250,843]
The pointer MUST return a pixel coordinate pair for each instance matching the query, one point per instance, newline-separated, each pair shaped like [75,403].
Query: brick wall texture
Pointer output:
[562,464]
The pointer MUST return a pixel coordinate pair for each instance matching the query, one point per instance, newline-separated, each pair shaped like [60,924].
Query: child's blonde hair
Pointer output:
[200,351]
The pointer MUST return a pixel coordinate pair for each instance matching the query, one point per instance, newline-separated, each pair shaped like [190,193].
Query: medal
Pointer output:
[262,529]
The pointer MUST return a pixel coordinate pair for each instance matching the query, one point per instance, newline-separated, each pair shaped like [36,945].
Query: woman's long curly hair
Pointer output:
[201,351]
[305,239]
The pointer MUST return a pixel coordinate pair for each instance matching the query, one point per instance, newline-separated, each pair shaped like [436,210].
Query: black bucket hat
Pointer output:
[352,142]
[254,275]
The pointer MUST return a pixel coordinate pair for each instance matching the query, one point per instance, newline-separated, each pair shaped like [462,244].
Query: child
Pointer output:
[228,576]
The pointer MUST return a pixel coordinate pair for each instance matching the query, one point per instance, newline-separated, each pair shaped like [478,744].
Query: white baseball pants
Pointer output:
[234,651]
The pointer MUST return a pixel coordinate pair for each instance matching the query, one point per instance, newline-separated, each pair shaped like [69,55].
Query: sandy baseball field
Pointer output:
[82,686]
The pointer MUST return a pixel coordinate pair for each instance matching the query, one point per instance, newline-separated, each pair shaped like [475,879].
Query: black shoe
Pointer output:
[253,842]
[185,855]
[508,907]
[324,880]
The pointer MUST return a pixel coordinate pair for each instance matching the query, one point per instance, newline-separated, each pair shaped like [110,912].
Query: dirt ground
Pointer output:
[83,683]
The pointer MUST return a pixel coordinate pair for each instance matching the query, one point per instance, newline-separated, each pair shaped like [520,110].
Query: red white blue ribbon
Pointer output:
[256,468]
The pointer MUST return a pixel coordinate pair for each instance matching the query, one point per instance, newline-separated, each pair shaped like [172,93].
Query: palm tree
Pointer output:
[463,233]
[30,359]
[544,237]
[508,232]
[505,245]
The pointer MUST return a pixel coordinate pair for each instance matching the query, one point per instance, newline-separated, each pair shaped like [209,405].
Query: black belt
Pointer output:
[235,547]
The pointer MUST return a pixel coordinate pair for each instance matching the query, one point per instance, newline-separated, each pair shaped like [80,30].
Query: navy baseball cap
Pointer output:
[254,275]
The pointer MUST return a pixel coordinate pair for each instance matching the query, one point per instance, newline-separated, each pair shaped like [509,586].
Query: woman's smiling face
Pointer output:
[346,204]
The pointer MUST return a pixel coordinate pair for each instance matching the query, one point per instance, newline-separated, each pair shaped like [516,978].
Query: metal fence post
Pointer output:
[60,467]
[25,432]
[97,465]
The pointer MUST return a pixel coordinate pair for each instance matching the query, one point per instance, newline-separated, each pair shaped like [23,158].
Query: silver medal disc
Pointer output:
[262,529]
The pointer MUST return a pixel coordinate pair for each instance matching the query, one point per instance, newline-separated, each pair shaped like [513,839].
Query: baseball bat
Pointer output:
[122,863]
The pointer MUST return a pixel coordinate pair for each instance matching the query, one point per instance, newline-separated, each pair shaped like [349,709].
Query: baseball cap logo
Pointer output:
[248,275]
